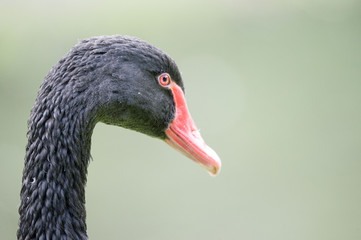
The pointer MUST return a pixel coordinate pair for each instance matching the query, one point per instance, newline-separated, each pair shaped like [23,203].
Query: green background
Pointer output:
[274,86]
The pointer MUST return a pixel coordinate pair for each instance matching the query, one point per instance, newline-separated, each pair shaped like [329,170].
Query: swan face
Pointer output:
[124,82]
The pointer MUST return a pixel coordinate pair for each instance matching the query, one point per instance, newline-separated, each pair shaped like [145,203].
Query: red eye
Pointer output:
[164,79]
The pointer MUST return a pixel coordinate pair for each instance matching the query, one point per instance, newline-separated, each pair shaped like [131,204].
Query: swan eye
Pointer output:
[164,79]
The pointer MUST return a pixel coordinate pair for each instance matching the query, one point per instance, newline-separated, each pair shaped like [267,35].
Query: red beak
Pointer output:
[184,136]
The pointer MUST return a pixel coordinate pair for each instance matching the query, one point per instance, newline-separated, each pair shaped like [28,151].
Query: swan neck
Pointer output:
[54,177]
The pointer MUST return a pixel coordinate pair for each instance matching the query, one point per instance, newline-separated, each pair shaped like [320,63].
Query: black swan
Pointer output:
[117,80]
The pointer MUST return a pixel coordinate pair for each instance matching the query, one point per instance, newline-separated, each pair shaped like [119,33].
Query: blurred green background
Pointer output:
[275,87]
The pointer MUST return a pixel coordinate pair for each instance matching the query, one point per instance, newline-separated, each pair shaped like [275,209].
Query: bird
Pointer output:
[118,80]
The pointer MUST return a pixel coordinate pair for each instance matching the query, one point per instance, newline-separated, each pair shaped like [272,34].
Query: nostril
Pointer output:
[196,133]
